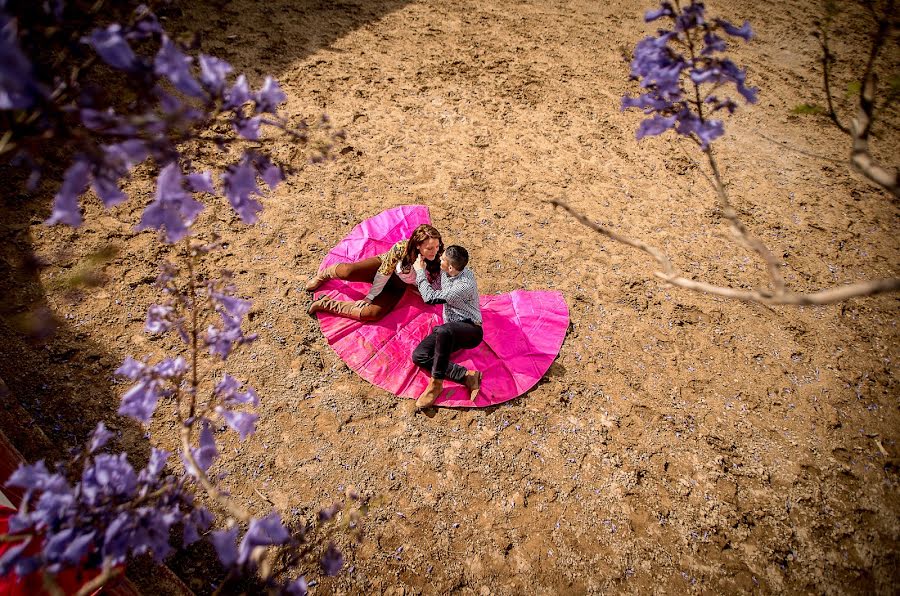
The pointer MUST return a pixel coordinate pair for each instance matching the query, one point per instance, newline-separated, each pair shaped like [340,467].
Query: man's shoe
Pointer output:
[473,383]
[431,393]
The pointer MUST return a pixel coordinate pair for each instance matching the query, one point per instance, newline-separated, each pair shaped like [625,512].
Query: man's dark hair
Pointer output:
[458,256]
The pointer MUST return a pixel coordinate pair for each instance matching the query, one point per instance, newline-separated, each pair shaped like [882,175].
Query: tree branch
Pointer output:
[785,297]
[740,231]
[233,508]
[107,574]
[860,157]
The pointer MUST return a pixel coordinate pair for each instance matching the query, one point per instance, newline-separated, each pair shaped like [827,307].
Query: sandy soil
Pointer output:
[680,443]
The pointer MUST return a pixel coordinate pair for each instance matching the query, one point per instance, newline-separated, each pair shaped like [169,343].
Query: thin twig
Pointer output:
[785,297]
[654,252]
[229,504]
[789,147]
[738,228]
[109,572]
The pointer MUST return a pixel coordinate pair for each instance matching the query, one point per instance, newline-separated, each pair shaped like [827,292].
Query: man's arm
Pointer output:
[457,292]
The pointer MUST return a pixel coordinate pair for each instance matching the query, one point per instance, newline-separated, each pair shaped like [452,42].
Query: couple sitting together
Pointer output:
[441,277]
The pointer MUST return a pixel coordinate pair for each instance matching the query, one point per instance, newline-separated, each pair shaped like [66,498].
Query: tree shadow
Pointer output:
[260,38]
[59,386]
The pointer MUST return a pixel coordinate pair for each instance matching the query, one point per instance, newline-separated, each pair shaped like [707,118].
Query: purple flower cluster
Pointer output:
[110,513]
[151,383]
[177,96]
[687,54]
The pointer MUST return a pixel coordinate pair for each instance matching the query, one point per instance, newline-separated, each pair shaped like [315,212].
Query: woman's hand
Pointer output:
[361,304]
[419,265]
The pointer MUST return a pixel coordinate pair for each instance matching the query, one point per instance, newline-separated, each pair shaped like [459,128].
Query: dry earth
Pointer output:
[679,444]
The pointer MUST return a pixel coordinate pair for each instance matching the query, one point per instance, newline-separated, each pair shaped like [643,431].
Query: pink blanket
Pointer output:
[523,330]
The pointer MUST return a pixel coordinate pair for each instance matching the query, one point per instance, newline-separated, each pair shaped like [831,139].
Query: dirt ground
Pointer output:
[680,443]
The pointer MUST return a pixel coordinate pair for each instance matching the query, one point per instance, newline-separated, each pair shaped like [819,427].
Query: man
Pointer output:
[461,329]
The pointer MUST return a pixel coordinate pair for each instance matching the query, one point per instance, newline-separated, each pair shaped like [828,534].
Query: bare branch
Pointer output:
[230,505]
[860,157]
[827,296]
[740,231]
[654,252]
[785,297]
[109,572]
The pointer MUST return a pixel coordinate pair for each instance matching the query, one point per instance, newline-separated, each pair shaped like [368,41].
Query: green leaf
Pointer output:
[808,109]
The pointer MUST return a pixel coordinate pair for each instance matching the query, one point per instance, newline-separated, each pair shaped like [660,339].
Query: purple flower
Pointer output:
[238,95]
[111,45]
[665,10]
[173,64]
[36,477]
[198,521]
[225,542]
[663,71]
[155,466]
[247,127]
[106,121]
[647,102]
[18,88]
[269,96]
[124,155]
[207,452]
[236,307]
[691,17]
[298,587]
[706,130]
[220,341]
[272,175]
[213,72]
[173,210]
[140,401]
[108,190]
[131,368]
[99,438]
[227,391]
[240,181]
[78,548]
[332,560]
[11,557]
[109,476]
[159,318]
[201,182]
[262,532]
[242,422]
[744,32]
[65,203]
[713,43]
[655,126]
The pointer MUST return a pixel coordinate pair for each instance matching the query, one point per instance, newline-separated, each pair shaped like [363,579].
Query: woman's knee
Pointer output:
[372,313]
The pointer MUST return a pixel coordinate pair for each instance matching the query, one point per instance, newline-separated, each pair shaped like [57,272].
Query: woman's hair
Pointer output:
[421,234]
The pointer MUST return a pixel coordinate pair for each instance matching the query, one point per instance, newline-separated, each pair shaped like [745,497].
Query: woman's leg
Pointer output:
[363,270]
[383,303]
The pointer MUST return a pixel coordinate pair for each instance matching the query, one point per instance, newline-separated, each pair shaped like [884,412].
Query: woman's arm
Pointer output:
[389,261]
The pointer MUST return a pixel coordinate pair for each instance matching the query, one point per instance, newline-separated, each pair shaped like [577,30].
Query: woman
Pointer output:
[389,273]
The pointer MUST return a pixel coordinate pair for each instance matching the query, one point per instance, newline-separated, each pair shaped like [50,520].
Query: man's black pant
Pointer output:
[433,353]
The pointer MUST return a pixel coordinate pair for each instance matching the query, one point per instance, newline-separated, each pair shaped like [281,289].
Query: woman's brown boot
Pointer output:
[335,307]
[321,277]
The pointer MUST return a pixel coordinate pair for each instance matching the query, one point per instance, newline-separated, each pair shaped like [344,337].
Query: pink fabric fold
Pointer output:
[523,330]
